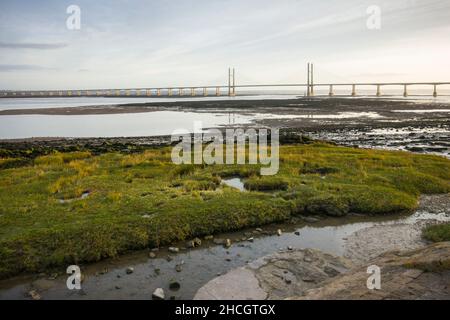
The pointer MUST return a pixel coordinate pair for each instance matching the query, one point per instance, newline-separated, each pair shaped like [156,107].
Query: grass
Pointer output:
[143,200]
[437,233]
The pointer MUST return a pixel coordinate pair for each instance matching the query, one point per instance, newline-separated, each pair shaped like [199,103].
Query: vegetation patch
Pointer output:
[143,199]
[437,233]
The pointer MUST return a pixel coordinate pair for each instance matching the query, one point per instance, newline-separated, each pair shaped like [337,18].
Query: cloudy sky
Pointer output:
[131,43]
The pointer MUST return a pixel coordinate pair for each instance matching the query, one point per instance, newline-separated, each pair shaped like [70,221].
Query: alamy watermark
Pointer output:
[241,147]
[374,20]
[74,280]
[73,22]
[374,280]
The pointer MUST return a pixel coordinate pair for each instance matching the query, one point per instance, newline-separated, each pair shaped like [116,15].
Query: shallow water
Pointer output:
[108,279]
[111,125]
[234,183]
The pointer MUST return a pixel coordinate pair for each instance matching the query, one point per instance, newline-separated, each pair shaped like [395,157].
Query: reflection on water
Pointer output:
[110,125]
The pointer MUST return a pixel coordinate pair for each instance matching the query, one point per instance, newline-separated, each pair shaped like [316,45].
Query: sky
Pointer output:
[155,43]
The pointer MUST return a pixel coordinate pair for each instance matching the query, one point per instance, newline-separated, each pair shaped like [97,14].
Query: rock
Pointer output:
[219,241]
[53,276]
[157,271]
[179,268]
[227,243]
[174,250]
[158,294]
[34,295]
[250,239]
[208,237]
[290,248]
[405,279]
[258,230]
[277,276]
[174,285]
[129,270]
[228,259]
[118,287]
[297,233]
[196,242]
[152,255]
[279,232]
[169,258]
[310,219]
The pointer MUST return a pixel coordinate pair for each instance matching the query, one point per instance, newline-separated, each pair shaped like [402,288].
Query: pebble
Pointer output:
[174,285]
[34,295]
[297,233]
[158,294]
[174,249]
[129,270]
[290,248]
[227,243]
[152,255]
[279,232]
[250,239]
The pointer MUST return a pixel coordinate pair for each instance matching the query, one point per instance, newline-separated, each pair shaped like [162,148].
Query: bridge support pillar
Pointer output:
[169,92]
[158,92]
[434,91]
[205,92]
[138,92]
[312,90]
[353,90]
[378,90]
[180,92]
[192,92]
[331,93]
[217,91]
[127,92]
[405,90]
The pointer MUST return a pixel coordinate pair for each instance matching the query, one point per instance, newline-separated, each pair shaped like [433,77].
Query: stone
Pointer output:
[279,232]
[250,239]
[158,294]
[174,249]
[178,268]
[197,242]
[34,295]
[297,233]
[310,219]
[210,237]
[258,230]
[152,255]
[129,270]
[290,248]
[174,285]
[227,243]
[169,258]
